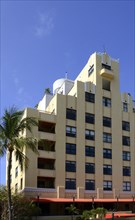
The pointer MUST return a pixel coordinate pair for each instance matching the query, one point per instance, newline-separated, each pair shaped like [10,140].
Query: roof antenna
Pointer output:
[104,49]
[66,75]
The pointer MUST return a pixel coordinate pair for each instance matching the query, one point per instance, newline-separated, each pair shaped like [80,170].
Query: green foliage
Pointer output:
[97,213]
[22,208]
[72,210]
[12,125]
[47,91]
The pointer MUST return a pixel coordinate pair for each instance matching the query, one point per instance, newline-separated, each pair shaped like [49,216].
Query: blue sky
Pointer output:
[42,40]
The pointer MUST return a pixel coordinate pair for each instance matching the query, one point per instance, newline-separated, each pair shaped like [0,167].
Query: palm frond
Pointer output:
[26,123]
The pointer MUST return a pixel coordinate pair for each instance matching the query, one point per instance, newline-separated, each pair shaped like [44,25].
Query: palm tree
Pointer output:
[12,125]
[72,210]
[101,212]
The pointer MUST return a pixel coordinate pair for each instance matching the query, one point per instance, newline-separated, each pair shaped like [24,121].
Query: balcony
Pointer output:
[107,73]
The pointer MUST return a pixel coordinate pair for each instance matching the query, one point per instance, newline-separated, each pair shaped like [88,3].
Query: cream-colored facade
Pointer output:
[87,138]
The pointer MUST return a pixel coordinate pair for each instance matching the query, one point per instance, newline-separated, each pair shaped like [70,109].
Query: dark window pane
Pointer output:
[107,153]
[70,183]
[106,121]
[71,114]
[90,118]
[89,151]
[107,137]
[106,66]
[89,97]
[125,126]
[70,166]
[126,171]
[107,170]
[126,155]
[89,168]
[126,140]
[70,131]
[89,184]
[70,148]
[90,134]
[107,185]
[106,102]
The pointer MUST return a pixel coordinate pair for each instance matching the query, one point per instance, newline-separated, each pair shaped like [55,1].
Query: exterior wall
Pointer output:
[55,113]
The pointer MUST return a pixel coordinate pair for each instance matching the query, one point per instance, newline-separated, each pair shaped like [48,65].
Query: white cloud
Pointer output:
[45,24]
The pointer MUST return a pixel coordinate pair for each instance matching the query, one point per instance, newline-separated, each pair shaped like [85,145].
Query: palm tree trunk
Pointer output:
[9,185]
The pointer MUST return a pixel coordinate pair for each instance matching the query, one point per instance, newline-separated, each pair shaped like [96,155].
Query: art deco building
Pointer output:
[86,130]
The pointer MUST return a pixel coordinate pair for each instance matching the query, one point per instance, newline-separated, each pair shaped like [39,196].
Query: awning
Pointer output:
[118,215]
[69,200]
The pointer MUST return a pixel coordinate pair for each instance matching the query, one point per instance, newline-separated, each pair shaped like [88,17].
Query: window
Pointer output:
[89,97]
[46,145]
[45,182]
[106,102]
[21,183]
[107,169]
[16,171]
[126,171]
[70,131]
[126,155]
[89,168]
[91,69]
[89,151]
[107,137]
[106,84]
[125,126]
[90,134]
[107,153]
[126,140]
[71,114]
[70,183]
[106,66]
[90,118]
[126,186]
[70,166]
[43,163]
[107,185]
[70,148]
[125,107]
[89,184]
[48,127]
[16,187]
[107,122]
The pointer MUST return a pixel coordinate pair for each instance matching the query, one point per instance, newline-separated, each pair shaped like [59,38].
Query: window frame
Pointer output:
[89,97]
[70,114]
[107,122]
[89,118]
[89,134]
[70,148]
[70,166]
[89,167]
[125,140]
[126,171]
[126,186]
[89,151]
[107,102]
[125,107]
[107,169]
[126,156]
[70,131]
[89,184]
[107,185]
[125,125]
[107,153]
[70,183]
[107,137]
